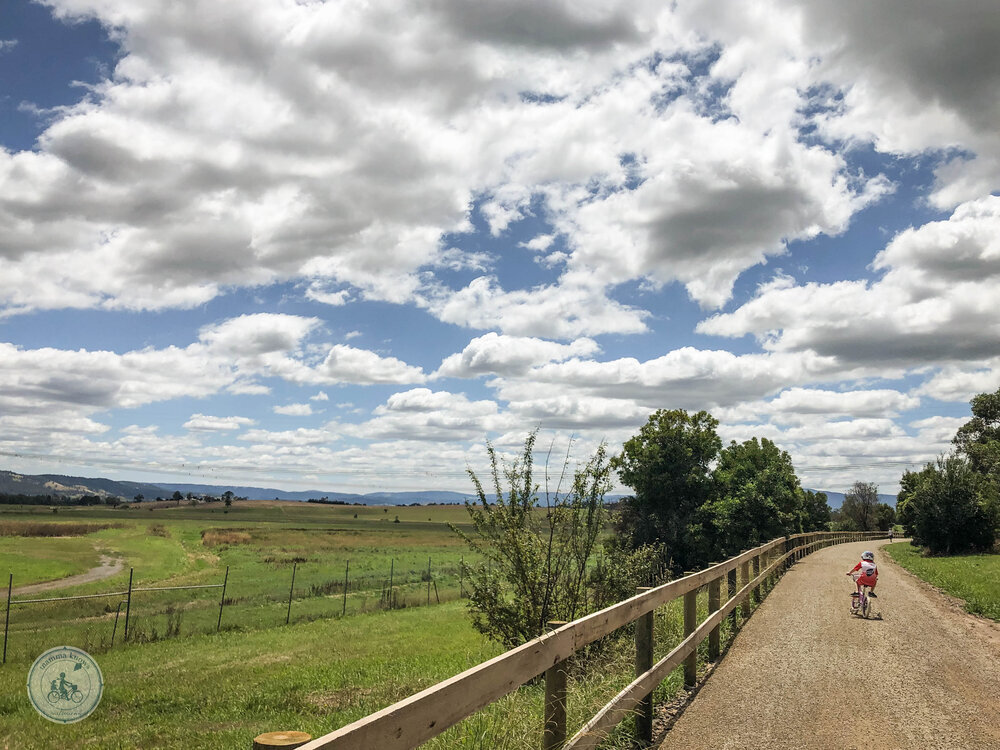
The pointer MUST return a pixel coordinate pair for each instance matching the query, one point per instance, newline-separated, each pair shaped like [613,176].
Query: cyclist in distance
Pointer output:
[869,573]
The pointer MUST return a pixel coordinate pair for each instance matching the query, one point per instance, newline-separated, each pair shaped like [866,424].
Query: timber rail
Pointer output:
[421,717]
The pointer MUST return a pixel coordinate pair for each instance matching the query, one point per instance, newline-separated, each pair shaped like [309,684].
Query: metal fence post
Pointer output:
[392,571]
[643,663]
[222,602]
[290,590]
[6,622]
[554,735]
[347,571]
[128,604]
[428,581]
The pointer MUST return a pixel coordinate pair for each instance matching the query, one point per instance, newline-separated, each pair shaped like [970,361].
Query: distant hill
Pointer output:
[270,493]
[59,485]
[836,499]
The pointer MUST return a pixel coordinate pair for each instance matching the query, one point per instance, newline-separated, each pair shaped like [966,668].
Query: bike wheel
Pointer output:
[53,697]
[77,696]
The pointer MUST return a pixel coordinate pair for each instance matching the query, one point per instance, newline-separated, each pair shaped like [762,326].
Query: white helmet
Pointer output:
[867,555]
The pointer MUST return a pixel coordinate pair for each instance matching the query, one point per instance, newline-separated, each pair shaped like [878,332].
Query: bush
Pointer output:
[951,508]
[533,559]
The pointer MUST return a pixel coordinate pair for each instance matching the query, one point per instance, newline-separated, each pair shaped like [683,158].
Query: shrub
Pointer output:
[951,509]
[533,559]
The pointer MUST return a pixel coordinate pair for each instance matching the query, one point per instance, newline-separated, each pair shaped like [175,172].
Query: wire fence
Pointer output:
[100,621]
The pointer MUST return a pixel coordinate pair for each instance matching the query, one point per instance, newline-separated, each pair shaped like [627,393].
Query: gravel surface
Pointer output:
[805,673]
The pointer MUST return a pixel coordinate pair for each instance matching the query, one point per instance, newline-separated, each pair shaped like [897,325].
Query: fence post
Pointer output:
[222,602]
[554,735]
[756,572]
[690,623]
[392,572]
[6,622]
[283,740]
[428,582]
[714,635]
[290,590]
[643,663]
[731,586]
[745,579]
[347,571]
[461,578]
[128,605]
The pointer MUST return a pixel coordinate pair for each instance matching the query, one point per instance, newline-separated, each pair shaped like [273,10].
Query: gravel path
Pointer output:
[108,567]
[925,675]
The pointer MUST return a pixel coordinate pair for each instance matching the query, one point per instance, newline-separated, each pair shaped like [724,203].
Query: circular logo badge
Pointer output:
[65,684]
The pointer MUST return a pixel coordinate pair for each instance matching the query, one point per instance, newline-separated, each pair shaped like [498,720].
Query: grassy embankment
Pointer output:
[973,578]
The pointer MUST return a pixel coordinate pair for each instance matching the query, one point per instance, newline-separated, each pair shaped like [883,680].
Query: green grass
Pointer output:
[37,559]
[219,691]
[973,578]
[261,544]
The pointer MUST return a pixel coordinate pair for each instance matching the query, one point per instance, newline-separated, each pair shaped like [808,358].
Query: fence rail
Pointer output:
[430,712]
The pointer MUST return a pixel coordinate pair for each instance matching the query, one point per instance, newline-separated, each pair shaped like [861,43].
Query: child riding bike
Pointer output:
[868,575]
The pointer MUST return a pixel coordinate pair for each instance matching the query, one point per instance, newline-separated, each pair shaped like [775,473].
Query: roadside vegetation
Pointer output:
[973,578]
[952,506]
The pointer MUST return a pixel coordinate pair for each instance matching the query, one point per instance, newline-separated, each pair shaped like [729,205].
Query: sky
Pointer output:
[342,245]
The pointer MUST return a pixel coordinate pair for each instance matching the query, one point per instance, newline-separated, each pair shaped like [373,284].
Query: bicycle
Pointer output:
[861,603]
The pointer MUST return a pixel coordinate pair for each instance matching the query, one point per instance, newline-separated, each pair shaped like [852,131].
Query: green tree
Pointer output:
[860,509]
[885,516]
[951,508]
[816,514]
[979,438]
[757,497]
[533,556]
[667,467]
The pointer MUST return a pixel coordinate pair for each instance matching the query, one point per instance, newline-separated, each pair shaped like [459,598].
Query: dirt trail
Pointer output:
[926,675]
[109,566]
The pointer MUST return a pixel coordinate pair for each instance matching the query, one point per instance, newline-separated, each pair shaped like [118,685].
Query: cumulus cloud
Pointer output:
[294,410]
[207,423]
[510,355]
[933,304]
[345,364]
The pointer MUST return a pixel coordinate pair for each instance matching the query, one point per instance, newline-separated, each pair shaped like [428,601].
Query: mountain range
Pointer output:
[60,485]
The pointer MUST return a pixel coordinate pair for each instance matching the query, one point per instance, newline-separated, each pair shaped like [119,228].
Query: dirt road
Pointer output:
[803,670]
[108,567]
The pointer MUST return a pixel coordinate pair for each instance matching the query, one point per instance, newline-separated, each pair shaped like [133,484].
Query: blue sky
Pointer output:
[341,245]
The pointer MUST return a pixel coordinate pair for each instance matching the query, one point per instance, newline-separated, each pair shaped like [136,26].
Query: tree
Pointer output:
[950,508]
[885,516]
[533,558]
[816,514]
[139,497]
[757,497]
[177,497]
[667,467]
[979,438]
[859,511]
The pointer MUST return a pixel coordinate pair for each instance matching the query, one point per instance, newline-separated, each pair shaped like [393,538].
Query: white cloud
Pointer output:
[7,44]
[510,355]
[206,423]
[345,364]
[932,306]
[294,410]
[321,396]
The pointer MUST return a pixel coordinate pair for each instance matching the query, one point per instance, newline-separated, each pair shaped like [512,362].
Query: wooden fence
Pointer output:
[420,717]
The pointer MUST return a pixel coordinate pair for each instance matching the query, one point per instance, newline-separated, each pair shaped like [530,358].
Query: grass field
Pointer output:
[973,578]
[261,543]
[202,689]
